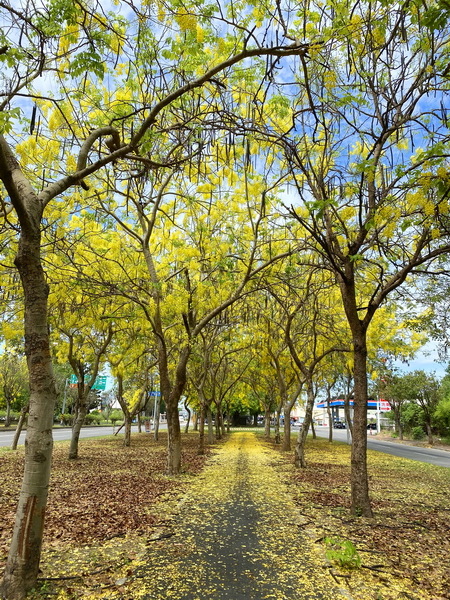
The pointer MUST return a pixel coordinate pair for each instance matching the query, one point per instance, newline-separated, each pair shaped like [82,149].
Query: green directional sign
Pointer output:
[99,384]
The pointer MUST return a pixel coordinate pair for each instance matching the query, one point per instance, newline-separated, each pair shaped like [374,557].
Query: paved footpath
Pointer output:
[237,537]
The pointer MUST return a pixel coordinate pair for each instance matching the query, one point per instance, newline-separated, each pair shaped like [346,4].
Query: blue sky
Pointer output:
[426,359]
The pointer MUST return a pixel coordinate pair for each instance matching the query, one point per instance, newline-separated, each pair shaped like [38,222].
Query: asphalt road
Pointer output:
[428,455]
[6,437]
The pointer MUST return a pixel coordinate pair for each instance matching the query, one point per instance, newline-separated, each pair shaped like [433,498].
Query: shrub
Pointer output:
[96,416]
[116,415]
[66,419]
[92,419]
[417,433]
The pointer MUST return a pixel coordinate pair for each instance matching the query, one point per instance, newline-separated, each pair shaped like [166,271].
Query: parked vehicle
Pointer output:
[371,425]
[339,425]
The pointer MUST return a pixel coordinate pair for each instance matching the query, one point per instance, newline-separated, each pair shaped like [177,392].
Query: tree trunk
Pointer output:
[171,393]
[228,421]
[201,429]
[330,422]
[156,416]
[139,423]
[127,415]
[287,430]
[313,429]
[218,428]
[8,413]
[195,421]
[276,430]
[300,461]
[222,424]
[267,424]
[173,436]
[186,427]
[398,423]
[25,550]
[288,406]
[359,476]
[348,416]
[127,437]
[81,415]
[23,416]
[429,431]
[188,410]
[210,426]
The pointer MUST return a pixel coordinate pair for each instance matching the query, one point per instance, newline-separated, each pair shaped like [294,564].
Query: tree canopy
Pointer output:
[176,174]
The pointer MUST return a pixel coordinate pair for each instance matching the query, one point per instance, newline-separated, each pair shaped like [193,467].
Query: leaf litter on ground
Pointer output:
[405,548]
[113,516]
[99,502]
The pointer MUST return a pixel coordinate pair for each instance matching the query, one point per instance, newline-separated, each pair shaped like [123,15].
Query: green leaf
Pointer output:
[6,119]
[87,62]
[436,17]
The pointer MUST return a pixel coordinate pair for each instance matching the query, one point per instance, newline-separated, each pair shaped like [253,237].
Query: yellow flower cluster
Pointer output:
[186,22]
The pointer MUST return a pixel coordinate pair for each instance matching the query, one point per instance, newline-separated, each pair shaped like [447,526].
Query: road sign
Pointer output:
[385,406]
[99,383]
